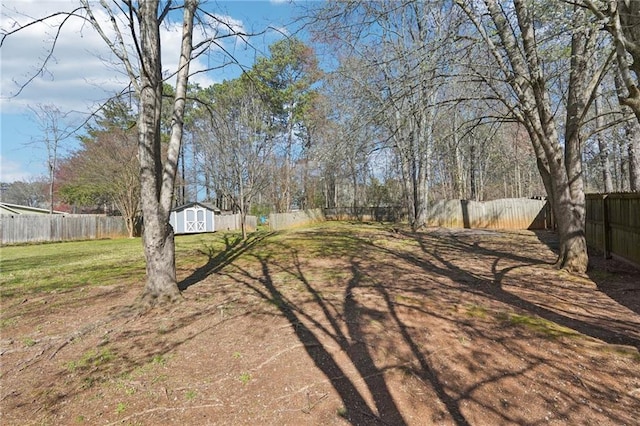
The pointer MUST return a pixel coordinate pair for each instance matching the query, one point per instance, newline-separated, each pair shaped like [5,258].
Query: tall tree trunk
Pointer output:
[51,180]
[472,172]
[426,117]
[242,204]
[573,247]
[603,147]
[157,179]
[632,134]
[561,174]
[633,152]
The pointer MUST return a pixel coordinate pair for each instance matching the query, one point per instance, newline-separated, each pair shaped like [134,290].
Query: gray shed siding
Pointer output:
[192,218]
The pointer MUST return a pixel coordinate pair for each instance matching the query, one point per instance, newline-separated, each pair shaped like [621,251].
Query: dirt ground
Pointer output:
[336,325]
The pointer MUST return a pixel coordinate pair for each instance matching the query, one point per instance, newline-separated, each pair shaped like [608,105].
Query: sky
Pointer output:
[82,73]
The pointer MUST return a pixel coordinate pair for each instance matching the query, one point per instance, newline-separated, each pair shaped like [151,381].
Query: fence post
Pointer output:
[606,232]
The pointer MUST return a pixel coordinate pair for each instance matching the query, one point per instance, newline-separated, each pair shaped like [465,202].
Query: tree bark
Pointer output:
[633,151]
[573,243]
[157,179]
[632,134]
[603,148]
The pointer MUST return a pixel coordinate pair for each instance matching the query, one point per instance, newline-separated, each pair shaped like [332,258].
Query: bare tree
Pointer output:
[632,134]
[345,150]
[54,128]
[157,175]
[132,32]
[235,137]
[516,53]
[603,147]
[402,50]
[621,18]
[32,193]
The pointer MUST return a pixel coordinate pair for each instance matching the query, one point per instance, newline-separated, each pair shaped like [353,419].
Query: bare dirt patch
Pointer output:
[339,324]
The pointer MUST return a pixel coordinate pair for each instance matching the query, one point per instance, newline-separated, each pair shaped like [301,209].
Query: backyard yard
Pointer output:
[334,324]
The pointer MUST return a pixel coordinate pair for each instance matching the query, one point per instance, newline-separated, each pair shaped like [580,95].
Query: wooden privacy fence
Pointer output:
[29,228]
[507,213]
[613,224]
[377,214]
[298,218]
[510,213]
[232,222]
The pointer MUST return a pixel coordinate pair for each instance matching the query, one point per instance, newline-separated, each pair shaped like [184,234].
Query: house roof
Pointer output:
[193,204]
[13,209]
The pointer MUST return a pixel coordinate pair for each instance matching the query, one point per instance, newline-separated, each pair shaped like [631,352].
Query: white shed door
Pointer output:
[194,219]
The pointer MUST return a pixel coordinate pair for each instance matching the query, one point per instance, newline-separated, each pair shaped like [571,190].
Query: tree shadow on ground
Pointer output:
[317,319]
[356,409]
[614,277]
[494,287]
[235,246]
[426,372]
[617,279]
[316,316]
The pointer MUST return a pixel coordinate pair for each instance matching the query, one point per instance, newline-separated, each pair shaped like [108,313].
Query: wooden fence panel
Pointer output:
[613,224]
[111,227]
[24,228]
[515,213]
[508,213]
[594,227]
[15,229]
[376,214]
[232,222]
[511,213]
[299,218]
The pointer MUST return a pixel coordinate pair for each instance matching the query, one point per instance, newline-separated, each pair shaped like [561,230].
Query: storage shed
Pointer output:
[192,218]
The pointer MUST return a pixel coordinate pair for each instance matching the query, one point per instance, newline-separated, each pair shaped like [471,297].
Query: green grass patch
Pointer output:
[7,322]
[54,267]
[245,378]
[61,266]
[28,341]
[538,325]
[156,362]
[91,359]
[476,311]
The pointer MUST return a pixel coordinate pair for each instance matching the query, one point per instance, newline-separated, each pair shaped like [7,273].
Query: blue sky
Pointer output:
[79,76]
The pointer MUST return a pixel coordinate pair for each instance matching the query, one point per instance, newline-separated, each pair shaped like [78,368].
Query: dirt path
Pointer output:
[339,324]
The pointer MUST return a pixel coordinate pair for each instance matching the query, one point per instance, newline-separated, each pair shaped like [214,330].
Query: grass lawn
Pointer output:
[35,268]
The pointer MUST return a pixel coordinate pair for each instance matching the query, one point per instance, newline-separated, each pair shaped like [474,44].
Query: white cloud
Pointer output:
[74,75]
[11,171]
[82,70]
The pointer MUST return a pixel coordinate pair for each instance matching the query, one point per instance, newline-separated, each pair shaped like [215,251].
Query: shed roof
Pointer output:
[7,208]
[195,203]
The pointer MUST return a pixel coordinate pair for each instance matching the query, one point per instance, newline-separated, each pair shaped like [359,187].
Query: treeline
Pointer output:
[284,136]
[423,101]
